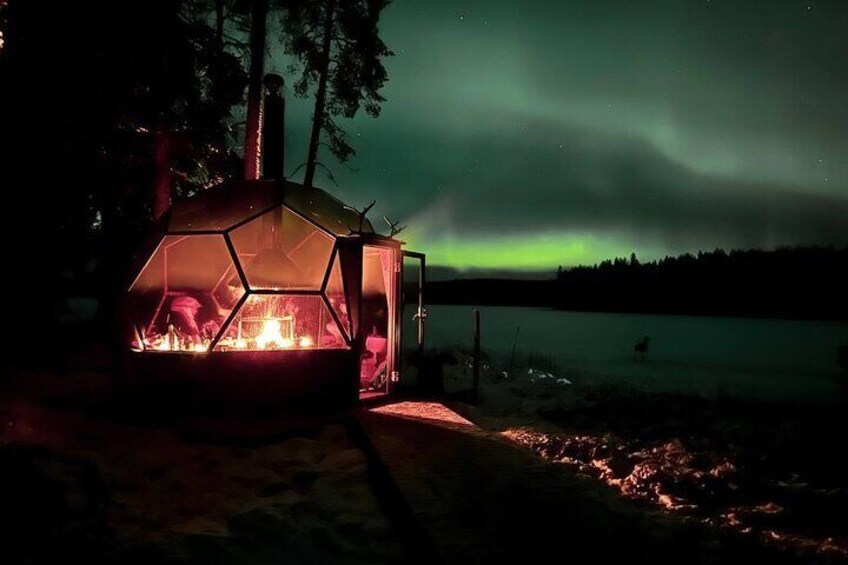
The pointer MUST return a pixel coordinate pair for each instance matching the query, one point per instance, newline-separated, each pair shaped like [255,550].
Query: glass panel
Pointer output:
[280,321]
[410,327]
[281,251]
[336,295]
[185,293]
[377,325]
[325,210]
[222,207]
[410,294]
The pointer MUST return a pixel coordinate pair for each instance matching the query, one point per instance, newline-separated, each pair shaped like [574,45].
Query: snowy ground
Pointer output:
[78,486]
[81,482]
[766,471]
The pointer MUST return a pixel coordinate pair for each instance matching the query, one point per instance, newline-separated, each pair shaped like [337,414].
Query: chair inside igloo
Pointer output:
[185,293]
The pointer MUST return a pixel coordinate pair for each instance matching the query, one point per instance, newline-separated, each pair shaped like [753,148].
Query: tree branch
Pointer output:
[328,171]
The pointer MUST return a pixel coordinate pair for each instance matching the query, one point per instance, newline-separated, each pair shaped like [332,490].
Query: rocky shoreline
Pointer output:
[757,470]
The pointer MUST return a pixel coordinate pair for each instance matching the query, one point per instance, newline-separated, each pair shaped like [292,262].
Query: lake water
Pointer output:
[750,358]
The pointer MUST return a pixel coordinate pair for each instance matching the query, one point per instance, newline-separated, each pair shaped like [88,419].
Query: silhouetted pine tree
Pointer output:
[339,53]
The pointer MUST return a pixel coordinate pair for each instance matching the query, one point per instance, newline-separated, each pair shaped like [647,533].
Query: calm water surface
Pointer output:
[752,358]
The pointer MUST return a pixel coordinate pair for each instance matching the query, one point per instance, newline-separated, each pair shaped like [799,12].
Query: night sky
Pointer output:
[524,135]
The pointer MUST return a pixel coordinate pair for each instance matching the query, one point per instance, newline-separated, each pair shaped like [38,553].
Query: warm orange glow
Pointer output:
[433,413]
[190,297]
[265,333]
[271,334]
[171,341]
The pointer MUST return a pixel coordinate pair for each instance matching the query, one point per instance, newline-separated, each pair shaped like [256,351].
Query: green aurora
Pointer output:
[523,136]
[529,252]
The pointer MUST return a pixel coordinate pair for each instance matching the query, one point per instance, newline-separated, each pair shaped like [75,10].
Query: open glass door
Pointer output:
[378,321]
[413,315]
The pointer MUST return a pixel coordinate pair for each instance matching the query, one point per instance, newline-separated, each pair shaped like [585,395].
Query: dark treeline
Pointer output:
[110,111]
[90,95]
[803,283]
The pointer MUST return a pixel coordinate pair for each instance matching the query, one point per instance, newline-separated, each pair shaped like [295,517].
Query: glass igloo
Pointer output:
[253,267]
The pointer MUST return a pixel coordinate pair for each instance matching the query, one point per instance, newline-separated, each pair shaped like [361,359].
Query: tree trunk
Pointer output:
[253,132]
[219,40]
[161,171]
[320,96]
[162,180]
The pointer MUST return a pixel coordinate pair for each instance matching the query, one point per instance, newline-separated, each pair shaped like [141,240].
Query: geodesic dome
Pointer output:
[255,266]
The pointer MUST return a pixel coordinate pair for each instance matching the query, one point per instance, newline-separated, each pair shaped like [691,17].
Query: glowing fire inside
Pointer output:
[271,335]
[172,340]
[266,333]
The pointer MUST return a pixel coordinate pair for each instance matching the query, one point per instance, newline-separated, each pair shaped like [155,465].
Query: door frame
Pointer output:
[393,316]
[420,314]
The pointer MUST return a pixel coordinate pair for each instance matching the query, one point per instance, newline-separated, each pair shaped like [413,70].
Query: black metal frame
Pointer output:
[226,325]
[225,233]
[394,245]
[422,279]
[336,255]
[236,262]
[294,292]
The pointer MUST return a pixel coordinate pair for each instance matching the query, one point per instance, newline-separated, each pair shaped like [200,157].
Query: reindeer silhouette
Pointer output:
[641,347]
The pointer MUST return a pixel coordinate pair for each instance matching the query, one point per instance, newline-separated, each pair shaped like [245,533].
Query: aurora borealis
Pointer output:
[524,135]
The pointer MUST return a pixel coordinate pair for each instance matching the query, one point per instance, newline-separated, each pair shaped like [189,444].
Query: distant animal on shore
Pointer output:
[842,378]
[641,347]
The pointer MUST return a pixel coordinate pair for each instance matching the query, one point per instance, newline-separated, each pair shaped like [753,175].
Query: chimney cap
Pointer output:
[273,82]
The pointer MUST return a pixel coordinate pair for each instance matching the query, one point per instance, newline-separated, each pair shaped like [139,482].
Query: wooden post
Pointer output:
[514,346]
[476,351]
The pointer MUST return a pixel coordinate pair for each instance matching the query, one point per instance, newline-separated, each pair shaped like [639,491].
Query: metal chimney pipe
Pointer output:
[273,129]
[253,130]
